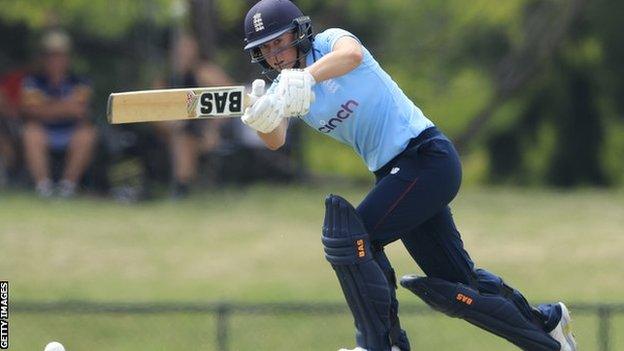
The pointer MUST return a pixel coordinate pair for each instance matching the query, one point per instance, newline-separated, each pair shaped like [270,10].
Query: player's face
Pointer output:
[56,63]
[279,53]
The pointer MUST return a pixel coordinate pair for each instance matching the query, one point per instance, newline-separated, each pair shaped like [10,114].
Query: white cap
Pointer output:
[56,41]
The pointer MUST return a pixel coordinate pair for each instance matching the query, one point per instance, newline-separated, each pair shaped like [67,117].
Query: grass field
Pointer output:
[262,244]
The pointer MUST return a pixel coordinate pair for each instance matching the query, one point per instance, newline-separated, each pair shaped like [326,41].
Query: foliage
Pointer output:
[572,101]
[105,18]
[449,56]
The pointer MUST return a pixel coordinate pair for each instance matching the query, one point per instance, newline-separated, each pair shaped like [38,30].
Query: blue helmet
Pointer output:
[269,19]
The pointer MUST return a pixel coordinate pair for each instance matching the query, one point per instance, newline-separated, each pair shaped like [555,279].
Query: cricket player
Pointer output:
[333,83]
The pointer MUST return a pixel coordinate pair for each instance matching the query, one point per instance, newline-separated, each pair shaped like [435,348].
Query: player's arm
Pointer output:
[36,105]
[277,138]
[295,86]
[211,75]
[39,107]
[266,116]
[79,101]
[346,56]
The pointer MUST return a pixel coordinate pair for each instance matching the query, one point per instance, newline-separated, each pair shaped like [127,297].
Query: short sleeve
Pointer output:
[326,40]
[82,81]
[30,83]
[31,92]
[82,89]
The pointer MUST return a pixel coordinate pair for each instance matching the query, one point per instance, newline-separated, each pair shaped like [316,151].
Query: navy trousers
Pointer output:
[410,202]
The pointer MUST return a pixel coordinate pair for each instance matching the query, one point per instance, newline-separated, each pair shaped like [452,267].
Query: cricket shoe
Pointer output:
[45,188]
[394,348]
[66,189]
[563,331]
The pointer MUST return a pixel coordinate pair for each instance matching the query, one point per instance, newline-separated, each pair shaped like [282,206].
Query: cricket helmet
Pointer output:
[268,19]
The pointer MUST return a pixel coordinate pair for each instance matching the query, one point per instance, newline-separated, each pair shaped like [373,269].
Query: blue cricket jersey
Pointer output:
[364,108]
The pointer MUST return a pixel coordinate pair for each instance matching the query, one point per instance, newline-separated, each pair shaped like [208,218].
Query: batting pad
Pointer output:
[492,312]
[365,287]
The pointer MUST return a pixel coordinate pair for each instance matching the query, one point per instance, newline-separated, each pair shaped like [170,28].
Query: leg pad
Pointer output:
[365,287]
[493,312]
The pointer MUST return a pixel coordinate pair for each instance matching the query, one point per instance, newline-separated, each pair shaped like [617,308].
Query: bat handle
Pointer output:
[257,90]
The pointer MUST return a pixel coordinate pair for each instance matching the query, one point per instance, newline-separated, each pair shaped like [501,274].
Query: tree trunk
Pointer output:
[204,23]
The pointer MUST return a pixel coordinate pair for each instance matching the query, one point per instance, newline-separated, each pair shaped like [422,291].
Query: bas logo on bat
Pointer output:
[219,103]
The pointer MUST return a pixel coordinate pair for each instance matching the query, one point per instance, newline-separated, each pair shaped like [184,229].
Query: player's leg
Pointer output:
[7,152]
[77,158]
[36,157]
[478,296]
[364,284]
[403,198]
[184,157]
[419,186]
[398,336]
[437,247]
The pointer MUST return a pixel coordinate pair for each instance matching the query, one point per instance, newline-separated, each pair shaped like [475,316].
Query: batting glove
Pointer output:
[295,86]
[267,111]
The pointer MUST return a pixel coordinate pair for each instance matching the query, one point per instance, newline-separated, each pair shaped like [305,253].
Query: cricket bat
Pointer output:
[176,104]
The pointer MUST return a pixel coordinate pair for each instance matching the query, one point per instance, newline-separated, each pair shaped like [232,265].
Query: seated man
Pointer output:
[56,107]
[189,140]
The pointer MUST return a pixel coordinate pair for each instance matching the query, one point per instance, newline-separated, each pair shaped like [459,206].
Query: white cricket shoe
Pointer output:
[394,348]
[563,331]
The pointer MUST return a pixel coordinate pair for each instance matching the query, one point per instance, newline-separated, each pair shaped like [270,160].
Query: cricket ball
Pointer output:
[54,346]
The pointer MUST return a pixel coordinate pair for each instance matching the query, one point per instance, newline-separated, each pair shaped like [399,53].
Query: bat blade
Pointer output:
[176,104]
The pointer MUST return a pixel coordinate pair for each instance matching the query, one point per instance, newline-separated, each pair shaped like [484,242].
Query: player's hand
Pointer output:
[267,111]
[257,90]
[295,86]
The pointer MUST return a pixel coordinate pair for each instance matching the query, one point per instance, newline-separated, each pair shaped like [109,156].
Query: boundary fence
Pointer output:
[224,310]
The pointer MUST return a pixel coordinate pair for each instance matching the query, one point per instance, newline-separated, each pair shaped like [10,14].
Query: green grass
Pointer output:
[310,333]
[262,244]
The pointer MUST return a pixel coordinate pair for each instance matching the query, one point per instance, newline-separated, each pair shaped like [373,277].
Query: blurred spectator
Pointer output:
[57,127]
[188,140]
[10,98]
[252,161]
[7,149]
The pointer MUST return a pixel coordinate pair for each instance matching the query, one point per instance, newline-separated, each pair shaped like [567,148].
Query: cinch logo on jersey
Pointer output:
[257,22]
[346,110]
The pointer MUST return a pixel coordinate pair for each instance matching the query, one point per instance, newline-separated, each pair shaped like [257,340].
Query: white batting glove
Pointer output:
[295,86]
[267,111]
[257,90]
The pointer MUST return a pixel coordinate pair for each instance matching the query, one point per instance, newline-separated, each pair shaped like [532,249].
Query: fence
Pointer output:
[223,311]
